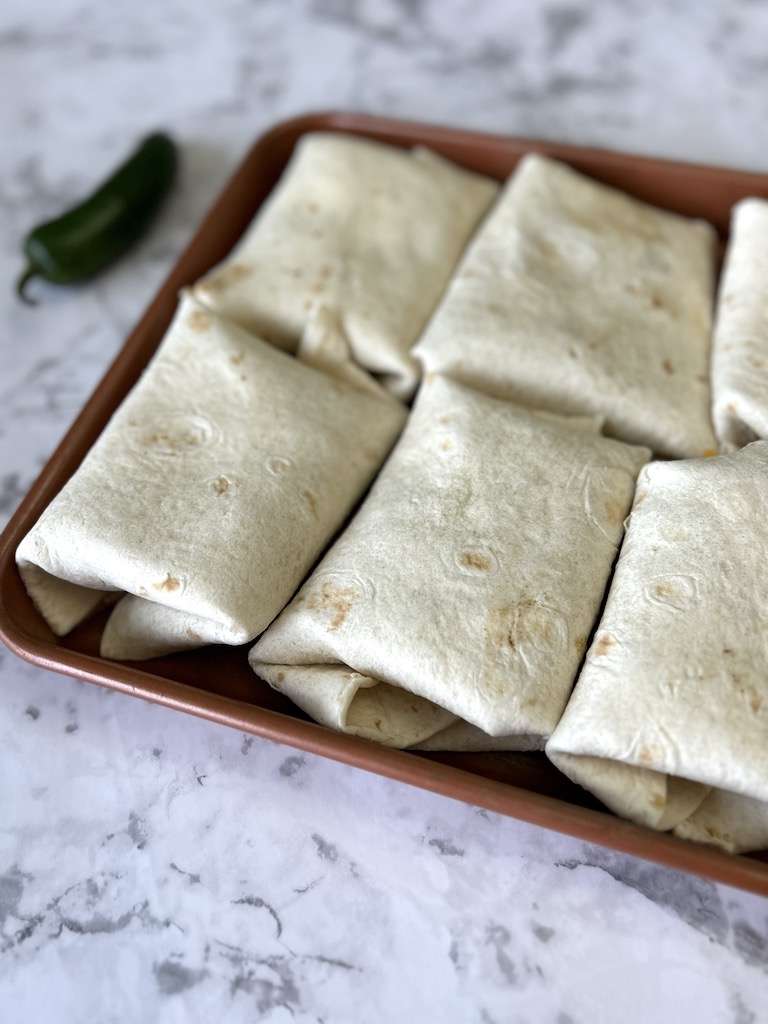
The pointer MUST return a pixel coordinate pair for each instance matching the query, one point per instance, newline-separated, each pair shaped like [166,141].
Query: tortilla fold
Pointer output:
[364,232]
[460,597]
[668,723]
[209,495]
[577,298]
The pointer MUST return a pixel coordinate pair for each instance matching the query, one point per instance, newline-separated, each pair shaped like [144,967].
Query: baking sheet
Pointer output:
[216,683]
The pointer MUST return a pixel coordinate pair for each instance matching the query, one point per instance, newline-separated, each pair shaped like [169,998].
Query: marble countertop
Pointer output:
[158,868]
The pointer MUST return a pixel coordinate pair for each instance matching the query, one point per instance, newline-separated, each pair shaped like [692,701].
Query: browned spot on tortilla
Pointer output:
[317,286]
[752,696]
[646,755]
[335,600]
[169,584]
[709,453]
[312,206]
[727,650]
[243,377]
[324,269]
[670,590]
[220,485]
[603,645]
[667,366]
[657,301]
[311,501]
[280,677]
[731,408]
[658,801]
[173,443]
[474,560]
[237,358]
[446,444]
[223,279]
[572,352]
[501,627]
[444,418]
[198,320]
[702,378]
[614,511]
[511,625]
[546,248]
[299,599]
[580,642]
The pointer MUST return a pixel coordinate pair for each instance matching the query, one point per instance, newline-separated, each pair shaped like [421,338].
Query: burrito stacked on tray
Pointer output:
[669,719]
[359,233]
[209,495]
[740,346]
[454,610]
[577,298]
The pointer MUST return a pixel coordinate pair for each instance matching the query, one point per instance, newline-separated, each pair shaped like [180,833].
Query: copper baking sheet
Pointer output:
[216,683]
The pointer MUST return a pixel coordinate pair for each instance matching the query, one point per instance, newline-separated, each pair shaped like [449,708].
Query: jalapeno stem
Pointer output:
[21,284]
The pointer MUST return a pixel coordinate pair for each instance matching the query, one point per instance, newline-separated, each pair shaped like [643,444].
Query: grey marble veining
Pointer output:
[158,868]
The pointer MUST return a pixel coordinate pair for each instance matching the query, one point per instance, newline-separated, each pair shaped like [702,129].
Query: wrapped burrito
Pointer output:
[209,495]
[460,598]
[673,697]
[740,345]
[576,298]
[366,234]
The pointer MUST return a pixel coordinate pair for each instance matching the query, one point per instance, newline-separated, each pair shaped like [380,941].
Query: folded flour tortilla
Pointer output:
[740,344]
[368,233]
[209,495]
[577,298]
[460,598]
[673,697]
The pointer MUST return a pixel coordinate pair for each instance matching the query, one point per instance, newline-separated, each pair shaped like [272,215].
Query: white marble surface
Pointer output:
[158,868]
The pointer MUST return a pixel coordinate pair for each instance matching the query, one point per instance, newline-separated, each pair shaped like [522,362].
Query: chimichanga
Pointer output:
[461,596]
[210,493]
[673,697]
[577,298]
[366,233]
[740,344]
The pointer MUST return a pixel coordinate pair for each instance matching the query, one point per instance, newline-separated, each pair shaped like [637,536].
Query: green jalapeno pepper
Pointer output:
[90,236]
